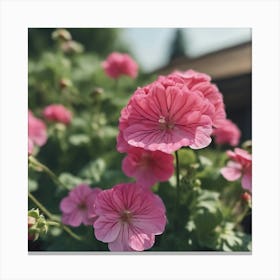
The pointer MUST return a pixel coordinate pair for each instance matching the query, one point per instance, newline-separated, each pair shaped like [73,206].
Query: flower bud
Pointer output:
[97,91]
[197,183]
[247,145]
[72,47]
[61,34]
[37,224]
[247,198]
[65,83]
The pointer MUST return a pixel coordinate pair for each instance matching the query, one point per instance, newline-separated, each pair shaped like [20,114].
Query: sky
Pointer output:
[150,46]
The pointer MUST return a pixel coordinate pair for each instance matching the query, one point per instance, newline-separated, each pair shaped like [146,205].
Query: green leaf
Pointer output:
[206,216]
[204,161]
[94,170]
[70,181]
[107,132]
[79,139]
[230,240]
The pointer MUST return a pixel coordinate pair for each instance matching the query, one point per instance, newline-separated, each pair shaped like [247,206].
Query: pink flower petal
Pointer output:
[246,181]
[67,205]
[37,131]
[73,219]
[231,173]
[122,242]
[107,228]
[140,241]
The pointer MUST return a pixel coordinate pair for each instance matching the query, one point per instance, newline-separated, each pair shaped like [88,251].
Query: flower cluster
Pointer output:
[182,109]
[126,216]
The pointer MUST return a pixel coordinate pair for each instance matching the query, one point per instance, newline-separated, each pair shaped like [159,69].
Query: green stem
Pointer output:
[54,221]
[240,218]
[71,233]
[177,190]
[44,168]
[117,84]
[40,206]
[177,176]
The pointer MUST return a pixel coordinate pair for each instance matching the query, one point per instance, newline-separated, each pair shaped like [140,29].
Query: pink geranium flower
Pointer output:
[200,82]
[129,217]
[227,133]
[37,132]
[148,167]
[240,166]
[77,207]
[165,118]
[57,113]
[118,64]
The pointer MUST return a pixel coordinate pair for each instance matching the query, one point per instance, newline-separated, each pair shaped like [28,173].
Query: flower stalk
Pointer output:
[177,202]
[41,167]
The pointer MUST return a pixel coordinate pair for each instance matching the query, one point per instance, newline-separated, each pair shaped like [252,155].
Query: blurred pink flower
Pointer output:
[78,206]
[165,118]
[227,133]
[37,132]
[129,217]
[30,146]
[200,82]
[240,166]
[118,64]
[148,167]
[57,113]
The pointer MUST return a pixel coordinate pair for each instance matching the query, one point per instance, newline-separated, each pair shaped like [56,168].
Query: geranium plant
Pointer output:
[146,163]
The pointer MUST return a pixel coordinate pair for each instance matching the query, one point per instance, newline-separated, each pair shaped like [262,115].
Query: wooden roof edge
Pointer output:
[186,59]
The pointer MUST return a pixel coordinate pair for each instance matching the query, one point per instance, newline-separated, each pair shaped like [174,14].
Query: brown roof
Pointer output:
[221,64]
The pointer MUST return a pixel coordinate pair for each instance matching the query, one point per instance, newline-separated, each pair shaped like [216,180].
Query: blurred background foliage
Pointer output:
[211,209]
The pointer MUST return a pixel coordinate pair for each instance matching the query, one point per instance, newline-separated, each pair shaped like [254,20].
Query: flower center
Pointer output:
[126,216]
[165,124]
[145,161]
[82,206]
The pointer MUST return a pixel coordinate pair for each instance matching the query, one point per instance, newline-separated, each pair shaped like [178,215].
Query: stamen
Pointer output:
[165,124]
[126,216]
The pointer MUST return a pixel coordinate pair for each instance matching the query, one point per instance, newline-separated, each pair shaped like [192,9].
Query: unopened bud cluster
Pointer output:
[37,224]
